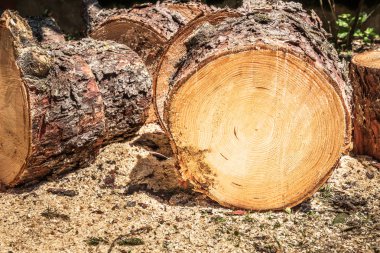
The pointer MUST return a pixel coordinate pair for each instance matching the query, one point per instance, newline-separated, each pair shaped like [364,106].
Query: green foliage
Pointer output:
[344,25]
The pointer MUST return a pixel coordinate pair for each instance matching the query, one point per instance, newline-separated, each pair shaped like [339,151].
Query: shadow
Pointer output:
[158,175]
[39,23]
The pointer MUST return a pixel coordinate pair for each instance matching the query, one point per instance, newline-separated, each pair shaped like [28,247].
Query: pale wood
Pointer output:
[14,112]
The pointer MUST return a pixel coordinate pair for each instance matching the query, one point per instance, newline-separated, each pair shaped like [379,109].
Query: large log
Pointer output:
[258,109]
[146,28]
[60,102]
[365,77]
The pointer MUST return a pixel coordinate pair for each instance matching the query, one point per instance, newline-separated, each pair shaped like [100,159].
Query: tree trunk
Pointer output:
[146,28]
[60,102]
[365,77]
[258,109]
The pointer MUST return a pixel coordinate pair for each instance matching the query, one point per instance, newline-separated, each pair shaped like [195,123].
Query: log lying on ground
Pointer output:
[174,52]
[365,77]
[146,29]
[257,109]
[61,102]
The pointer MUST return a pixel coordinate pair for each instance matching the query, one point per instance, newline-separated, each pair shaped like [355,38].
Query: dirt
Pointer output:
[129,200]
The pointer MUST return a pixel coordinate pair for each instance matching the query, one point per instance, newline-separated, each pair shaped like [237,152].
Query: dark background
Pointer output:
[69,17]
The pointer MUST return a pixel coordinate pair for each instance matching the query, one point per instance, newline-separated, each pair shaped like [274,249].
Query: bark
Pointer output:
[366,111]
[162,21]
[81,95]
[117,83]
[145,28]
[283,26]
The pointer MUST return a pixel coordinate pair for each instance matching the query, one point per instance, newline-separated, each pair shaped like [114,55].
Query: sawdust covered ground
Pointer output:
[129,201]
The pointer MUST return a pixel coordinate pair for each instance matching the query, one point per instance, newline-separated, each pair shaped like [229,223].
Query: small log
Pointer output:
[257,109]
[365,78]
[60,102]
[146,28]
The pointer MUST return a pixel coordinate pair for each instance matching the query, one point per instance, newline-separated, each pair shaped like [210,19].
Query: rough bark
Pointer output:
[117,83]
[366,112]
[80,96]
[284,28]
[145,28]
[161,21]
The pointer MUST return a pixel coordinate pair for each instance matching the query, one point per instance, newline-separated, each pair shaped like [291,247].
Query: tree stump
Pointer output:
[60,102]
[257,109]
[146,28]
[365,77]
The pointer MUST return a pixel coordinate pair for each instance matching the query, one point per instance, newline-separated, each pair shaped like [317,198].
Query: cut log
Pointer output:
[257,109]
[174,52]
[365,78]
[146,29]
[61,102]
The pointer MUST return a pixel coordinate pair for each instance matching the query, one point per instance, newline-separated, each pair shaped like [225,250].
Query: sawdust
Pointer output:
[130,199]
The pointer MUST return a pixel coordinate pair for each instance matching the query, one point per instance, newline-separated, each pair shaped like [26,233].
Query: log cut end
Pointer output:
[370,59]
[257,129]
[137,35]
[14,113]
[146,29]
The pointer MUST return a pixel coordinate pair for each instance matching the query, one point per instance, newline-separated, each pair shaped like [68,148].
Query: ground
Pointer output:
[129,200]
